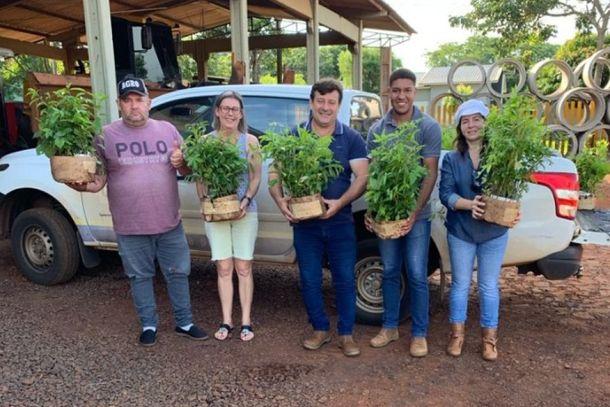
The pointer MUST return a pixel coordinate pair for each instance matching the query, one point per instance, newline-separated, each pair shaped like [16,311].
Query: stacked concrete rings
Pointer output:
[569,136]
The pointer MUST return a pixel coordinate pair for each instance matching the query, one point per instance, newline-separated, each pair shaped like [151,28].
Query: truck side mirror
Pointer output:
[146,37]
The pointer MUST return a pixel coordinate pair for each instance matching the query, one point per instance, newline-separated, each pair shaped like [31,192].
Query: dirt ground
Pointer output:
[76,344]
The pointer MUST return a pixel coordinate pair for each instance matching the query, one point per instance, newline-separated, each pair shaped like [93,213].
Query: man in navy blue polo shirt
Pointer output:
[411,248]
[332,236]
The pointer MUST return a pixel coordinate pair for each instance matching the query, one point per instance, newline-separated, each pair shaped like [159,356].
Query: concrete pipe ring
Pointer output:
[586,113]
[591,134]
[453,85]
[579,68]
[437,99]
[588,71]
[557,136]
[567,79]
[498,66]
[608,110]
[587,96]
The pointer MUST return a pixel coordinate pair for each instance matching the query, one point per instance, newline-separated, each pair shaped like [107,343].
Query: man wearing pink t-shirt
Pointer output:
[138,155]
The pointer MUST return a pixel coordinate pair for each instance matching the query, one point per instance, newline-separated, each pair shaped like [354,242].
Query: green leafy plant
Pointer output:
[213,161]
[395,174]
[448,136]
[68,121]
[592,164]
[514,148]
[303,161]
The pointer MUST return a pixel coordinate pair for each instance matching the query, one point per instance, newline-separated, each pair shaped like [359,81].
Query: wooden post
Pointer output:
[69,61]
[288,76]
[238,70]
[357,51]
[313,45]
[386,70]
[279,65]
[201,57]
[101,55]
[239,34]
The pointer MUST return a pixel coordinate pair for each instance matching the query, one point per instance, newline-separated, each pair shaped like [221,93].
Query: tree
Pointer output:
[219,64]
[13,71]
[519,21]
[487,50]
[345,68]
[371,68]
[480,48]
[579,48]
[188,67]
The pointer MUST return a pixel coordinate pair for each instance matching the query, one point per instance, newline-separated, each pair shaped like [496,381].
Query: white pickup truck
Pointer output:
[54,229]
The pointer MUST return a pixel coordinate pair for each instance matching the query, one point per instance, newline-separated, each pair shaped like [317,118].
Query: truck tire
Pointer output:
[368,276]
[45,246]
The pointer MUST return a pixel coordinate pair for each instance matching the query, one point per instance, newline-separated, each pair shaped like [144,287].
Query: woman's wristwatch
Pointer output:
[248,198]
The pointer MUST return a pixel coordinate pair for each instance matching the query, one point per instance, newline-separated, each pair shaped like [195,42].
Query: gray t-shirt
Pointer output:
[428,136]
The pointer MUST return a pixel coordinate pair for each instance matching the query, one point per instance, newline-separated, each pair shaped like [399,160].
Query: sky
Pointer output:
[431,21]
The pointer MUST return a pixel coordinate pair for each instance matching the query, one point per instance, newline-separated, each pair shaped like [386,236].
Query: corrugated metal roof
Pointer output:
[466,74]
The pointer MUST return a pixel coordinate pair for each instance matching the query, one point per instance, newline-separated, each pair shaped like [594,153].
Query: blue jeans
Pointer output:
[412,251]
[138,253]
[338,243]
[489,264]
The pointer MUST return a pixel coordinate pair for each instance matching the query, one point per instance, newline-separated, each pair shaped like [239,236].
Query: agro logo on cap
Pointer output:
[135,85]
[130,83]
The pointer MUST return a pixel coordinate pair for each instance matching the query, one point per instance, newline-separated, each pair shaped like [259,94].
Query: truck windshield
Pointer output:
[147,62]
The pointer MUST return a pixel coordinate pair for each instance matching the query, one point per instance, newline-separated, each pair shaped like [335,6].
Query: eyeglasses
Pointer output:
[227,109]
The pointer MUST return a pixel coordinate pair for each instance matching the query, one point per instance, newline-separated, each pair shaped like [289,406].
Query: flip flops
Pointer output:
[246,334]
[224,332]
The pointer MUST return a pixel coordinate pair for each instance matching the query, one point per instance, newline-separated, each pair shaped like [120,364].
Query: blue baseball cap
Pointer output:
[472,106]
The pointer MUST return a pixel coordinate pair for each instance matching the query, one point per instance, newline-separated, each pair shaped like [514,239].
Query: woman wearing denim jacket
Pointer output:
[468,235]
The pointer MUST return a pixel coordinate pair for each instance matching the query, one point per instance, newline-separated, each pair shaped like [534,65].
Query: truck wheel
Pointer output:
[45,246]
[368,275]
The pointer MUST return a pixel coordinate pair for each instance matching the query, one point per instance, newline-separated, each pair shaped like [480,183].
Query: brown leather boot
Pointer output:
[384,337]
[490,337]
[316,340]
[349,347]
[456,340]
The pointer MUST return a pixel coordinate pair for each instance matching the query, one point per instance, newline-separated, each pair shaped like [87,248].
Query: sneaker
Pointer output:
[148,337]
[193,333]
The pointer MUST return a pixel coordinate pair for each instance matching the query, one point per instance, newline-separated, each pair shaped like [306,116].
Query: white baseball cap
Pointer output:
[472,106]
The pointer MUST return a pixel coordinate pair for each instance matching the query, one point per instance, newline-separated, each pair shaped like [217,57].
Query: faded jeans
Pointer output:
[412,251]
[489,256]
[138,253]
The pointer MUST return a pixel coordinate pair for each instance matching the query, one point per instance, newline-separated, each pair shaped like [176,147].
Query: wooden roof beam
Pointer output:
[275,41]
[9,3]
[40,50]
[335,22]
[298,8]
[161,15]
[24,30]
[364,15]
